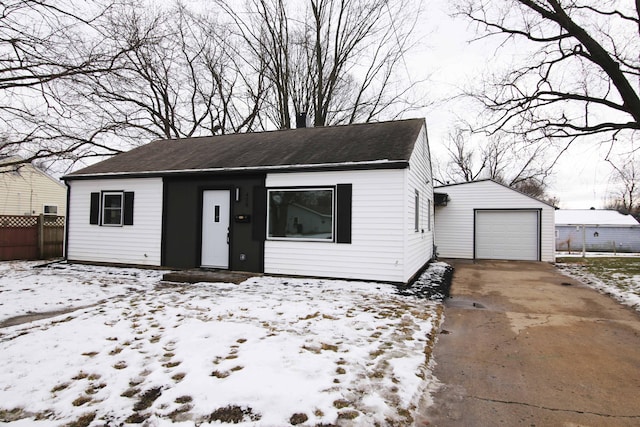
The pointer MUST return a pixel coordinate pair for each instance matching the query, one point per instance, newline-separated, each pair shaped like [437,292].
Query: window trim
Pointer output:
[300,189]
[103,207]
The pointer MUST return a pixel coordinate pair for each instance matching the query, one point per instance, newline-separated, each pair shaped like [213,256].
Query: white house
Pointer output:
[601,230]
[487,220]
[28,190]
[349,202]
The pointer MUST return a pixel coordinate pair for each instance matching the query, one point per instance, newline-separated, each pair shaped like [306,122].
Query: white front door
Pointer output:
[215,228]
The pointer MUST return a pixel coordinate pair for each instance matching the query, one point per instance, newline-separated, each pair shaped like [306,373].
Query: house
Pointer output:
[487,220]
[351,202]
[600,230]
[28,190]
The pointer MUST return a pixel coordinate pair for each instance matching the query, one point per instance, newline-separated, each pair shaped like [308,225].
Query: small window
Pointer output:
[417,211]
[112,208]
[305,214]
[50,210]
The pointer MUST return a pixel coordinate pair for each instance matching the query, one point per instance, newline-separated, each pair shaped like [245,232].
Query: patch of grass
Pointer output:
[610,270]
[15,414]
[241,340]
[130,392]
[81,401]
[329,347]
[341,371]
[168,355]
[115,351]
[183,399]
[310,316]
[178,377]
[318,413]
[59,387]
[233,414]
[147,398]
[137,418]
[80,376]
[220,374]
[120,365]
[90,353]
[93,377]
[341,403]
[348,415]
[94,388]
[237,368]
[84,420]
[154,339]
[171,364]
[298,418]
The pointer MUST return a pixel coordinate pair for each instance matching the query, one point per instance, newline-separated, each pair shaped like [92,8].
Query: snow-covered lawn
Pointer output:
[615,276]
[268,352]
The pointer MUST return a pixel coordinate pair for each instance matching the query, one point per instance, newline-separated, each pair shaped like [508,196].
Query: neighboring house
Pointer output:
[487,220]
[30,191]
[349,202]
[601,231]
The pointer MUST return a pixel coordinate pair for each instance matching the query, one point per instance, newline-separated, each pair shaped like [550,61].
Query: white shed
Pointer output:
[487,220]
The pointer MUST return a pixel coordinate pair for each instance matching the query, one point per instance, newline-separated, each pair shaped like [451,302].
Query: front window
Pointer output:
[305,214]
[112,208]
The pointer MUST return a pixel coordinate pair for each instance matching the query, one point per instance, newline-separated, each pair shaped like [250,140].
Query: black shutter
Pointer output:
[343,213]
[259,221]
[94,213]
[128,208]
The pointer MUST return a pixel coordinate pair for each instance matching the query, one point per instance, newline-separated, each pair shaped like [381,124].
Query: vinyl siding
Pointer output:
[132,244]
[378,244]
[27,191]
[454,234]
[603,238]
[418,244]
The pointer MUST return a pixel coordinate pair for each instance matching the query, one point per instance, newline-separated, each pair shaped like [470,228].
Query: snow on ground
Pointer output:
[268,352]
[624,288]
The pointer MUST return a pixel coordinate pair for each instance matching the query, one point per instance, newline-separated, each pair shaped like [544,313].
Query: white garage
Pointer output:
[487,220]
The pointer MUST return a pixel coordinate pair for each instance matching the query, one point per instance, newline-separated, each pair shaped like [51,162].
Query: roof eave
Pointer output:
[368,165]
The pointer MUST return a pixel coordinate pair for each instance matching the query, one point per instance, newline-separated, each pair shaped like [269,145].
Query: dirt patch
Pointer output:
[32,317]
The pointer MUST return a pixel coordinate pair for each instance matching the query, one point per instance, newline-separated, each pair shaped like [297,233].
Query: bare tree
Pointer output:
[626,177]
[43,43]
[177,78]
[501,158]
[337,60]
[581,76]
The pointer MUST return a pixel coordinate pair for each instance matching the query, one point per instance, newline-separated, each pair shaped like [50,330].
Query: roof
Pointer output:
[383,144]
[444,187]
[593,217]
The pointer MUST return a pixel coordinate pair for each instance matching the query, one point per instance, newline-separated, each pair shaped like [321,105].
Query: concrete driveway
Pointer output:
[522,344]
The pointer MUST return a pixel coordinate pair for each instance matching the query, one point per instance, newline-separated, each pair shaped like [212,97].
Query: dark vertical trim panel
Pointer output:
[344,194]
[163,239]
[128,208]
[94,215]
[259,230]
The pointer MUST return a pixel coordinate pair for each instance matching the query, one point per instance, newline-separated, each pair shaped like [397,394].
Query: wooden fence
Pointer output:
[31,237]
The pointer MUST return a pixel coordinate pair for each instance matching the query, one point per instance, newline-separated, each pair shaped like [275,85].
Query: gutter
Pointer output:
[375,164]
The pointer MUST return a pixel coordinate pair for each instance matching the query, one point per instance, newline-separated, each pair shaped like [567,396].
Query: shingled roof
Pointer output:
[384,144]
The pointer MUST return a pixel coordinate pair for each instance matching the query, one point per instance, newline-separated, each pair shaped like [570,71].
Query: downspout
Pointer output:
[66,222]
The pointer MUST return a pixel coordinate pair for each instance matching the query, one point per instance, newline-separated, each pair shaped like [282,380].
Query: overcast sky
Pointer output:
[581,178]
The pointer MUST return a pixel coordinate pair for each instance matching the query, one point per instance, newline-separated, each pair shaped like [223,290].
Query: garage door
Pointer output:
[507,234]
